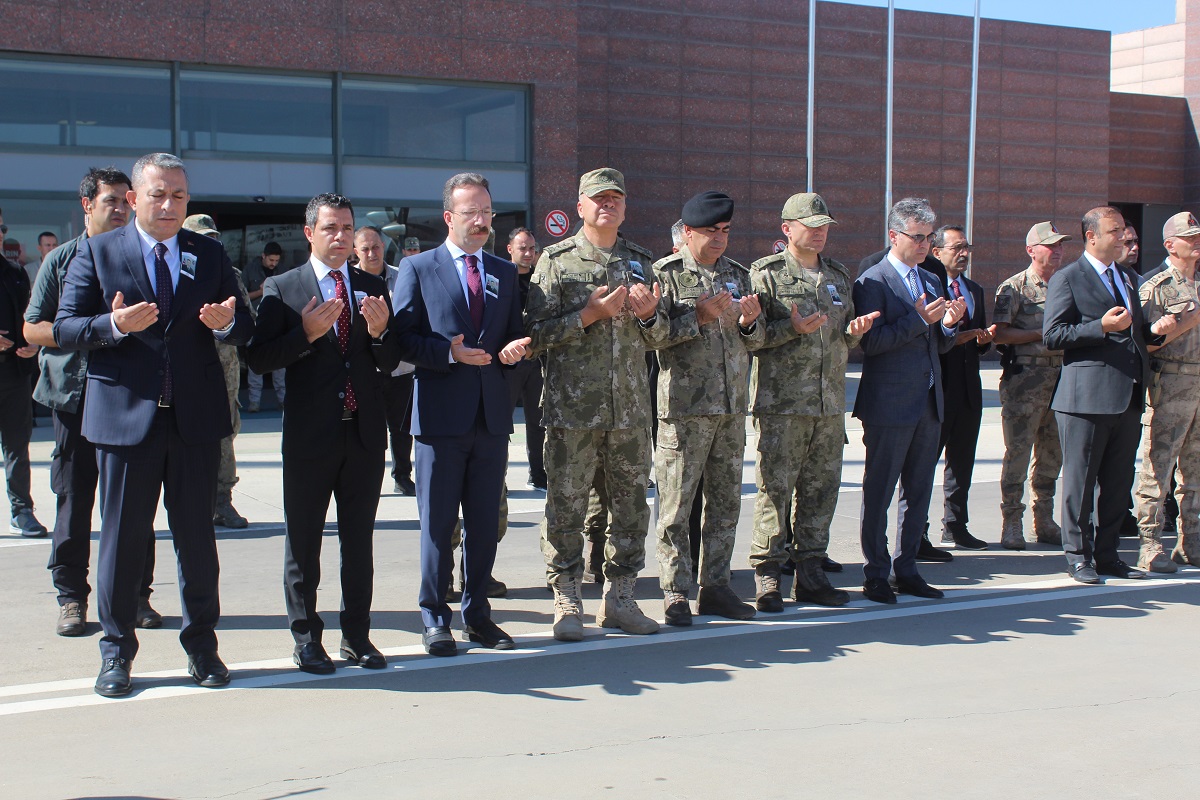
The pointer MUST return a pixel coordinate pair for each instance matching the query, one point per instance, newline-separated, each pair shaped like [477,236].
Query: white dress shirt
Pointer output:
[328,285]
[1102,271]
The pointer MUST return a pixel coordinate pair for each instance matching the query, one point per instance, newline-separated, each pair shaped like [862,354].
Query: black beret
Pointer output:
[707,209]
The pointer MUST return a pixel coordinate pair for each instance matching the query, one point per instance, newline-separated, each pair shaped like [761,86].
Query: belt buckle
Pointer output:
[163,403]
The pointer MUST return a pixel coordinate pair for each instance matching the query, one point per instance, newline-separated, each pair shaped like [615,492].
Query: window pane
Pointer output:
[428,122]
[238,113]
[84,105]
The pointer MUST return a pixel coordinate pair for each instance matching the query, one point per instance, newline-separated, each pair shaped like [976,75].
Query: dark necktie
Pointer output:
[343,333]
[474,292]
[1112,279]
[164,294]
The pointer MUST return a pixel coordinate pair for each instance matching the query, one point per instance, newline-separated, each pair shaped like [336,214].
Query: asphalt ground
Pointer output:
[1020,683]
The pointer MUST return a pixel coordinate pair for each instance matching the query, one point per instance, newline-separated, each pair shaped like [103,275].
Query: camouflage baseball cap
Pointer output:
[1182,224]
[1045,233]
[202,224]
[600,180]
[809,209]
[412,243]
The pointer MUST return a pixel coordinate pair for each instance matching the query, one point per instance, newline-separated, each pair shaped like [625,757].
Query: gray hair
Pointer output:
[677,237]
[163,161]
[908,211]
[939,236]
[1091,220]
[458,181]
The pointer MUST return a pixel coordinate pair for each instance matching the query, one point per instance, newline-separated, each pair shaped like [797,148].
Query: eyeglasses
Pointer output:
[475,213]
[918,238]
[964,247]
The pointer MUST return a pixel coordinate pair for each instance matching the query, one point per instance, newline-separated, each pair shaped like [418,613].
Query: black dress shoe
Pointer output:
[437,641]
[363,653]
[963,539]
[829,565]
[311,657]
[114,680]
[208,670]
[405,486]
[927,552]
[1083,572]
[877,590]
[917,587]
[1119,569]
[488,634]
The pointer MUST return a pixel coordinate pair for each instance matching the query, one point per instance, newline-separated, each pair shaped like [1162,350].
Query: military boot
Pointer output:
[620,610]
[1187,549]
[225,515]
[1012,534]
[768,598]
[568,608]
[1045,529]
[1151,556]
[812,586]
[678,610]
[720,601]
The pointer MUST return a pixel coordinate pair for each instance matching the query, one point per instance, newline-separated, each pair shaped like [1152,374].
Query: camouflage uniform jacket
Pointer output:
[704,369]
[1021,303]
[799,373]
[596,377]
[1169,292]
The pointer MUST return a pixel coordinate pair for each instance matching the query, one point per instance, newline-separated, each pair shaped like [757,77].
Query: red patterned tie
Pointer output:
[954,288]
[474,292]
[343,333]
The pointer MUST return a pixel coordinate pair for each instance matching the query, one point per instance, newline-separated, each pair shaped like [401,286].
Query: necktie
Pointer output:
[912,288]
[343,333]
[1112,279]
[164,294]
[957,291]
[474,292]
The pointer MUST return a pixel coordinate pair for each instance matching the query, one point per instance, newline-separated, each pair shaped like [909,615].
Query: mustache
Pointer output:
[479,229]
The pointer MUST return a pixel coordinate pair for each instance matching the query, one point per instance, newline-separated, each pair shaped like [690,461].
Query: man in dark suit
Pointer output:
[458,317]
[327,325]
[961,386]
[1094,316]
[900,397]
[150,301]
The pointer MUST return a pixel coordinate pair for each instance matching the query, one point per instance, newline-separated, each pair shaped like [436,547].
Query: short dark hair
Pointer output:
[373,228]
[939,236]
[46,233]
[326,200]
[272,249]
[460,180]
[89,187]
[1091,220]
[517,232]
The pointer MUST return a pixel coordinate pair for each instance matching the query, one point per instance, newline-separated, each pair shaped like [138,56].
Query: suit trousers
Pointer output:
[525,385]
[959,437]
[1098,455]
[397,399]
[16,428]
[74,475]
[352,475]
[459,472]
[131,478]
[907,453]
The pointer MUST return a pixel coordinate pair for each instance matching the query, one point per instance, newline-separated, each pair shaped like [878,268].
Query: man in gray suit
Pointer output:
[900,397]
[1094,316]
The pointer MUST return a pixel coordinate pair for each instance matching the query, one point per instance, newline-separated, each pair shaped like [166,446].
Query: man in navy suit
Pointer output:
[150,301]
[326,324]
[458,317]
[900,397]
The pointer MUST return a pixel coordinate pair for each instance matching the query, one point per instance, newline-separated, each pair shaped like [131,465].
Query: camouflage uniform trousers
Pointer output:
[573,458]
[1029,426]
[1171,434]
[800,462]
[227,470]
[711,446]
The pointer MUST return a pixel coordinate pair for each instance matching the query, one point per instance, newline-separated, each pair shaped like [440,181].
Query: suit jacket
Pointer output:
[899,351]
[960,364]
[317,371]
[430,311]
[1099,369]
[124,377]
[14,297]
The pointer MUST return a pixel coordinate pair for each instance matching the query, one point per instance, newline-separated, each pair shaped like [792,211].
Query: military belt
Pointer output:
[1175,367]
[1038,361]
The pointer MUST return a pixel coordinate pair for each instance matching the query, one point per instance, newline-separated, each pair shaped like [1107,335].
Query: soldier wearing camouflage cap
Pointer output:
[798,399]
[703,371]
[1026,389]
[1173,403]
[592,312]
[412,246]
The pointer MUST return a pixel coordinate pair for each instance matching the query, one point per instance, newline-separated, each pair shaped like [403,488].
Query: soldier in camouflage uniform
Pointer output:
[1173,403]
[1026,389]
[592,313]
[798,398]
[703,371]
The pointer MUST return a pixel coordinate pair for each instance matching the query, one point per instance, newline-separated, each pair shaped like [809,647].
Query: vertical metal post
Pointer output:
[337,132]
[812,82]
[970,218]
[891,70]
[176,119]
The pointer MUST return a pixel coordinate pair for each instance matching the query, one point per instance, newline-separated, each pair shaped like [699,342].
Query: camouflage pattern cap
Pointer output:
[1044,233]
[202,224]
[601,180]
[412,243]
[1182,224]
[809,209]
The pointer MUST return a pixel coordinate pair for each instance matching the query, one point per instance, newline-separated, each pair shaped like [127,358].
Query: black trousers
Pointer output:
[16,427]
[74,475]
[397,399]
[525,385]
[959,437]
[352,476]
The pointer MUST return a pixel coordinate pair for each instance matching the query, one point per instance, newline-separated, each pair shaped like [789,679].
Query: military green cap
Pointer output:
[809,209]
[1182,224]
[412,243]
[202,224]
[1044,233]
[601,180]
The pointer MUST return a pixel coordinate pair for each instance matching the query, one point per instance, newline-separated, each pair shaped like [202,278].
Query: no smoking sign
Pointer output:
[557,223]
